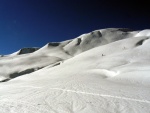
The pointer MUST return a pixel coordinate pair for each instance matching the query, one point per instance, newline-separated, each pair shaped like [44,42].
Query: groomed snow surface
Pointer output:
[105,71]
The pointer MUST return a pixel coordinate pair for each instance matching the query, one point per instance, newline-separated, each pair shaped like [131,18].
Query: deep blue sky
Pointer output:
[33,23]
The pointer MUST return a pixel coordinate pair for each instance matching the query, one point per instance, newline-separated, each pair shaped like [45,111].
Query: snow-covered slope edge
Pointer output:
[109,78]
[28,60]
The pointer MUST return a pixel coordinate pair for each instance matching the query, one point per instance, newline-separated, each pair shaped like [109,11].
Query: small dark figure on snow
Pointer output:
[103,55]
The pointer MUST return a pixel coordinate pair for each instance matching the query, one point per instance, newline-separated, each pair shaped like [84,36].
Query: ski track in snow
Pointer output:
[14,103]
[94,94]
[103,95]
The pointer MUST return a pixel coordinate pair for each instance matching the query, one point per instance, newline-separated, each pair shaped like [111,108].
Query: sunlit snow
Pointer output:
[104,71]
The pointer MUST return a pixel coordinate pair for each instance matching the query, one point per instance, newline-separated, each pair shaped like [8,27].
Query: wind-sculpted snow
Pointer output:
[104,71]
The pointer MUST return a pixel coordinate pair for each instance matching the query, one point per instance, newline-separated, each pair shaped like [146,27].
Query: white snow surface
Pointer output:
[105,71]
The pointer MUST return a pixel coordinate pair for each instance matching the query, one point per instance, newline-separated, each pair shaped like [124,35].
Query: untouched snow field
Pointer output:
[105,71]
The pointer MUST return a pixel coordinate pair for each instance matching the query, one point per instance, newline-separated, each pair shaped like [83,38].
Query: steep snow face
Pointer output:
[97,38]
[57,51]
[112,77]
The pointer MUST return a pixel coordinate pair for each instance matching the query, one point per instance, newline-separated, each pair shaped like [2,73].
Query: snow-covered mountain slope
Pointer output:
[21,62]
[105,71]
